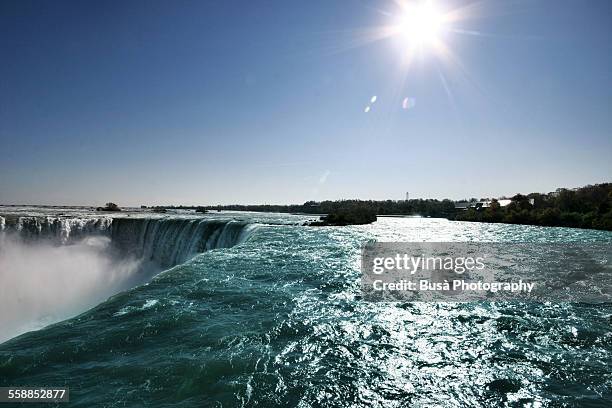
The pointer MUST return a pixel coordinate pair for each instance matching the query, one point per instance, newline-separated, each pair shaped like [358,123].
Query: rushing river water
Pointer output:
[236,309]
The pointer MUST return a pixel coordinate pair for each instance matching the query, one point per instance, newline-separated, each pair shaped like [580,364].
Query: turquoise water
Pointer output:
[275,318]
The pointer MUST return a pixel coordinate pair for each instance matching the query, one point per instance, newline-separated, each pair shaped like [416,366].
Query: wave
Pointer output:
[55,267]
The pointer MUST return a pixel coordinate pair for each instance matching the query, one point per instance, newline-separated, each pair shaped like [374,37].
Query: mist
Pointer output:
[41,283]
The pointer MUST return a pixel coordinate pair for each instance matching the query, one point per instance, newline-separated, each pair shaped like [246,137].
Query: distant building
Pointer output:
[464,205]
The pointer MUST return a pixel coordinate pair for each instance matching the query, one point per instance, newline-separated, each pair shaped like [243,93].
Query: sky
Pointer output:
[220,102]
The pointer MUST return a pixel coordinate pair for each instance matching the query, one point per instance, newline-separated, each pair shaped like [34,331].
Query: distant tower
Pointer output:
[407,196]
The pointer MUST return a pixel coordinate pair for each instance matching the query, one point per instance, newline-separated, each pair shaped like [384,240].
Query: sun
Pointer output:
[420,25]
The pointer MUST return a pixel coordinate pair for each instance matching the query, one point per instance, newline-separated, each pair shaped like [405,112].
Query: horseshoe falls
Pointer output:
[53,267]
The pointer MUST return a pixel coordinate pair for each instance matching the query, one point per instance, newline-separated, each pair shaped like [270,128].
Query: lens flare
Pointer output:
[420,24]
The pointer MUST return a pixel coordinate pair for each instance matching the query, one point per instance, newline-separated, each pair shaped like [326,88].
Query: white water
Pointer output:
[44,283]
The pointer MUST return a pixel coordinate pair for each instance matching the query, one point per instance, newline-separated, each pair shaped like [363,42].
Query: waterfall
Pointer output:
[60,230]
[52,268]
[164,241]
[170,241]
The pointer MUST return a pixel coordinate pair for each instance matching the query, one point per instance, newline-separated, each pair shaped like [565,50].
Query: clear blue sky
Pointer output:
[208,102]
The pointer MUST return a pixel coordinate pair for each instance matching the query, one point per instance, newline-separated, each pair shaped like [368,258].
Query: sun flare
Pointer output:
[420,25]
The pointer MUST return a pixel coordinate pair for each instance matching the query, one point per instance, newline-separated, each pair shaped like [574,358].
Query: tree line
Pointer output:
[428,207]
[585,207]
